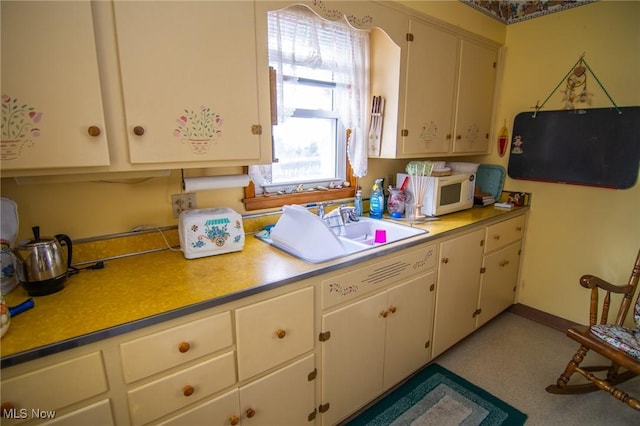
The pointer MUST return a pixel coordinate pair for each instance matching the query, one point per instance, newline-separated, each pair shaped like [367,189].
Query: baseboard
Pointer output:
[541,317]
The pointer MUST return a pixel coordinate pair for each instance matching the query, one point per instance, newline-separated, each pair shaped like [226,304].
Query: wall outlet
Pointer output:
[181,202]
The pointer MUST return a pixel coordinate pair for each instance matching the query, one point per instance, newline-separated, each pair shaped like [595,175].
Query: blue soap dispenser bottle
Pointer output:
[376,202]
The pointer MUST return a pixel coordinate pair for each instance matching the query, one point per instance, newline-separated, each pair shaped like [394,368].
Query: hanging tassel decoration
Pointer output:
[503,139]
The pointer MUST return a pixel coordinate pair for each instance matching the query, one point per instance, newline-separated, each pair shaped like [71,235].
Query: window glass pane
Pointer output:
[308,96]
[305,149]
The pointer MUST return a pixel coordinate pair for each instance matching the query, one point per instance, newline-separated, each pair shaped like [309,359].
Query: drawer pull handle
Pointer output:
[496,237]
[188,390]
[504,263]
[138,130]
[234,420]
[393,309]
[251,412]
[281,333]
[94,131]
[445,260]
[518,228]
[184,347]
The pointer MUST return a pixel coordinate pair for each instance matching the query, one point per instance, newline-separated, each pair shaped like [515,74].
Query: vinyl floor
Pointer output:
[515,358]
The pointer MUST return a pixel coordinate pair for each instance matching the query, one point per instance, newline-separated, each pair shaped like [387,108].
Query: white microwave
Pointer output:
[444,194]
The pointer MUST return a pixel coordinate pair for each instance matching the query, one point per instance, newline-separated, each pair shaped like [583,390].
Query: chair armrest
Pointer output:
[591,281]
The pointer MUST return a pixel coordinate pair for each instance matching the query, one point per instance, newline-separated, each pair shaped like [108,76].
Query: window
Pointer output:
[321,70]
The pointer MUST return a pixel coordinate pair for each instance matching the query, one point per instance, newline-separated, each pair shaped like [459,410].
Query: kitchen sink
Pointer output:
[308,237]
[364,231]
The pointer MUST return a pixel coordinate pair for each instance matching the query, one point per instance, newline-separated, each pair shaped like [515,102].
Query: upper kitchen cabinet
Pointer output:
[190,82]
[444,104]
[52,110]
[475,94]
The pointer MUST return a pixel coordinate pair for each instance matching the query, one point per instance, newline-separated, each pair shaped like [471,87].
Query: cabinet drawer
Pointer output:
[57,386]
[504,233]
[156,352]
[99,413]
[274,331]
[358,282]
[172,392]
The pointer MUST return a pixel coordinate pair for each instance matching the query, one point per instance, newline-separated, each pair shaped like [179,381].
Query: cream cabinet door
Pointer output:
[52,113]
[432,57]
[499,282]
[457,289]
[409,327]
[475,97]
[284,397]
[189,76]
[353,357]
[274,331]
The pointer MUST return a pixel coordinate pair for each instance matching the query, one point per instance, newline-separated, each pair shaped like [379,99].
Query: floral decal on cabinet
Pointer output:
[428,132]
[335,14]
[199,128]
[19,127]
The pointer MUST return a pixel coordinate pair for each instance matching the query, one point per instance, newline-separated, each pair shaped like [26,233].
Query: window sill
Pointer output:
[275,200]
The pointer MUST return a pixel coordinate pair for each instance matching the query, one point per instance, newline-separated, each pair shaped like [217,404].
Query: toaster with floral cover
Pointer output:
[206,232]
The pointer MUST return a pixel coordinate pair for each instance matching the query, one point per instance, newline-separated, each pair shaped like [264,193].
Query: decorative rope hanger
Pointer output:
[576,87]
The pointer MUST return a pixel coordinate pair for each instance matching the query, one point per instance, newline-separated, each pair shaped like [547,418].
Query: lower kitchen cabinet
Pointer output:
[48,388]
[477,279]
[457,289]
[284,397]
[373,343]
[499,282]
[274,331]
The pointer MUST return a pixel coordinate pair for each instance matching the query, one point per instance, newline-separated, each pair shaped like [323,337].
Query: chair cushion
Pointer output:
[623,338]
[636,312]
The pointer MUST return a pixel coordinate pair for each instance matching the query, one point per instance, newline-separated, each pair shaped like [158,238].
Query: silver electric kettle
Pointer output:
[42,265]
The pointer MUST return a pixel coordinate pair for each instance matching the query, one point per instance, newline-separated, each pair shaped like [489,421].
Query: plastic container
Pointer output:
[357,203]
[376,202]
[396,202]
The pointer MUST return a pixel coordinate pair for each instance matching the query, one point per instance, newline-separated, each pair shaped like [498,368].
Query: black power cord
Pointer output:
[74,270]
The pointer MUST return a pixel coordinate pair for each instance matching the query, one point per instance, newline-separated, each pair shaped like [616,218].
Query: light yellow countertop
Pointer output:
[137,291]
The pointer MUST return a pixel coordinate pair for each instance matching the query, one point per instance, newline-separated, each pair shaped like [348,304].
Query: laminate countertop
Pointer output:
[137,291]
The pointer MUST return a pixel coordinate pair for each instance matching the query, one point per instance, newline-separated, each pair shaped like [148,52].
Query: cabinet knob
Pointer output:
[138,130]
[281,333]
[393,309]
[184,347]
[251,412]
[496,237]
[94,131]
[518,228]
[384,314]
[188,390]
[234,420]
[445,260]
[448,136]
[458,137]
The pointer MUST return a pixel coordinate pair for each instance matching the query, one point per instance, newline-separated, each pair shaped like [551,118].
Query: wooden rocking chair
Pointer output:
[620,344]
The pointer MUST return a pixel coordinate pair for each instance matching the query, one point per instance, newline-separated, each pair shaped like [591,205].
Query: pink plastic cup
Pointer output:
[381,236]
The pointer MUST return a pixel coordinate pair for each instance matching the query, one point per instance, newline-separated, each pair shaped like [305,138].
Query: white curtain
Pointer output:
[300,40]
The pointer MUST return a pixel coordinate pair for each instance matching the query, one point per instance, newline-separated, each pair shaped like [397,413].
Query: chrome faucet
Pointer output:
[348,214]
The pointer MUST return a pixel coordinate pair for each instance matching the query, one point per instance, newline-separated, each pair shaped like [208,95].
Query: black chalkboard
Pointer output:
[594,147]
